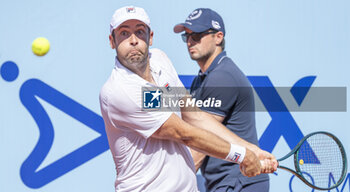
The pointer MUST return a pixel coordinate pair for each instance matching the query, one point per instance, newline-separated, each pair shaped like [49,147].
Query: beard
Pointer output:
[136,57]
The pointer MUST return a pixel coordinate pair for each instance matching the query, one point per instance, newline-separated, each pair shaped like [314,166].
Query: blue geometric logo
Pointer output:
[152,99]
[29,92]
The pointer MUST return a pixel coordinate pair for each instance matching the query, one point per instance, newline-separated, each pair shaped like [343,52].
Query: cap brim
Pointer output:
[116,25]
[179,27]
[182,26]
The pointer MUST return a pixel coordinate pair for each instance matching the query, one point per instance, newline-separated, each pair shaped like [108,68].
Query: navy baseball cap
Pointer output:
[200,20]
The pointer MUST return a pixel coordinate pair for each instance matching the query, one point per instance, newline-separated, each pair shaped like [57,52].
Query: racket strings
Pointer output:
[320,160]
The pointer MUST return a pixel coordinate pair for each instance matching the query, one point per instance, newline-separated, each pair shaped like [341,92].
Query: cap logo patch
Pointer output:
[130,10]
[215,24]
[194,15]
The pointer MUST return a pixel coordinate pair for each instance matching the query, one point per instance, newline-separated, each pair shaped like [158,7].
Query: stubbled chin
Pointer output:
[137,58]
[193,56]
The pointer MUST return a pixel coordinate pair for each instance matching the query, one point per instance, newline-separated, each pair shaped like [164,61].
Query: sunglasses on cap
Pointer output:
[196,37]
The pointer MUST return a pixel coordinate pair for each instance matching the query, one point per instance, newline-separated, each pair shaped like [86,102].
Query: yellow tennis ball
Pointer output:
[301,162]
[40,46]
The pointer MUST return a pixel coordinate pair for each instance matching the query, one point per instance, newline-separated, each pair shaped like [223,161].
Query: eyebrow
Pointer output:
[142,25]
[127,26]
[123,26]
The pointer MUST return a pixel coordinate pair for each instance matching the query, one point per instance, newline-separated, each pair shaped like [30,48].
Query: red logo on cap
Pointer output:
[130,9]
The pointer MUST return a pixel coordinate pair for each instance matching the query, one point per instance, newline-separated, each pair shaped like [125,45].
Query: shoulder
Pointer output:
[116,92]
[159,59]
[226,64]
[159,55]
[220,76]
[228,73]
[156,53]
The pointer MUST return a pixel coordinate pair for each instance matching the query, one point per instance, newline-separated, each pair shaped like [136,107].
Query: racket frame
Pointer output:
[297,171]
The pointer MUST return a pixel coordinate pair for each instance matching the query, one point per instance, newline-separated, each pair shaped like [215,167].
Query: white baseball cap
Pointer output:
[127,13]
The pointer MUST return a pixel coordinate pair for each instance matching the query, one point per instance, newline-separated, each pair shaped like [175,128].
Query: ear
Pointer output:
[151,38]
[112,42]
[219,37]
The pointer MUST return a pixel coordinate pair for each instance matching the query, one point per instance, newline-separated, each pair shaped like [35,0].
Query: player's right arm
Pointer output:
[206,142]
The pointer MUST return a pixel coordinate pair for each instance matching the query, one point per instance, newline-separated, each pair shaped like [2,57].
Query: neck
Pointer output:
[146,73]
[205,63]
[142,69]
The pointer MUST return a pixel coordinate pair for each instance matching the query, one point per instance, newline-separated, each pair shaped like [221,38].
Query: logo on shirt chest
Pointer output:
[167,86]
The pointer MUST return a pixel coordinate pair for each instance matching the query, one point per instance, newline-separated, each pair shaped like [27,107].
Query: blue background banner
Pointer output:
[51,131]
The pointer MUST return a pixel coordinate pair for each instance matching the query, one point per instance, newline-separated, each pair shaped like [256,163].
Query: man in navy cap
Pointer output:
[220,78]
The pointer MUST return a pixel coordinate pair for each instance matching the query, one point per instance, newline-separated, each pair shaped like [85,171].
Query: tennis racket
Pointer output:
[319,161]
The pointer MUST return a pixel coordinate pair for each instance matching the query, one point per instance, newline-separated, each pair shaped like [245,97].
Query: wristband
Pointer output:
[236,154]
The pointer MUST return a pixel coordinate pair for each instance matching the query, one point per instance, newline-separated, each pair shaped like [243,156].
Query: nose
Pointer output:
[133,40]
[190,42]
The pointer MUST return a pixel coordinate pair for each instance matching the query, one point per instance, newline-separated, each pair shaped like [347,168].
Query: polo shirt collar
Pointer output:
[213,65]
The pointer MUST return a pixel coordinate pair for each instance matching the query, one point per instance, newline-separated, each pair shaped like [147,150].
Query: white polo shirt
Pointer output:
[144,163]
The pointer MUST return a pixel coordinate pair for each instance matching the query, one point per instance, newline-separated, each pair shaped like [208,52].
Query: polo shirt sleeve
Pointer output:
[125,113]
[220,85]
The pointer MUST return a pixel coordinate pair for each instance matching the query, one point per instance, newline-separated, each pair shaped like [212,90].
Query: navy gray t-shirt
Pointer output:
[224,81]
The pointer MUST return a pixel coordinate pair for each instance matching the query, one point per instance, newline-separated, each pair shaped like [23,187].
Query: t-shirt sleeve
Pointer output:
[125,112]
[221,86]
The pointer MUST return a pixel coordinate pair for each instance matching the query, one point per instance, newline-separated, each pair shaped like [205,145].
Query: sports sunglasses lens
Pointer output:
[196,37]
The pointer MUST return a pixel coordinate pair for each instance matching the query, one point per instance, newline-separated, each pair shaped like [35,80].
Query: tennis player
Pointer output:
[149,147]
